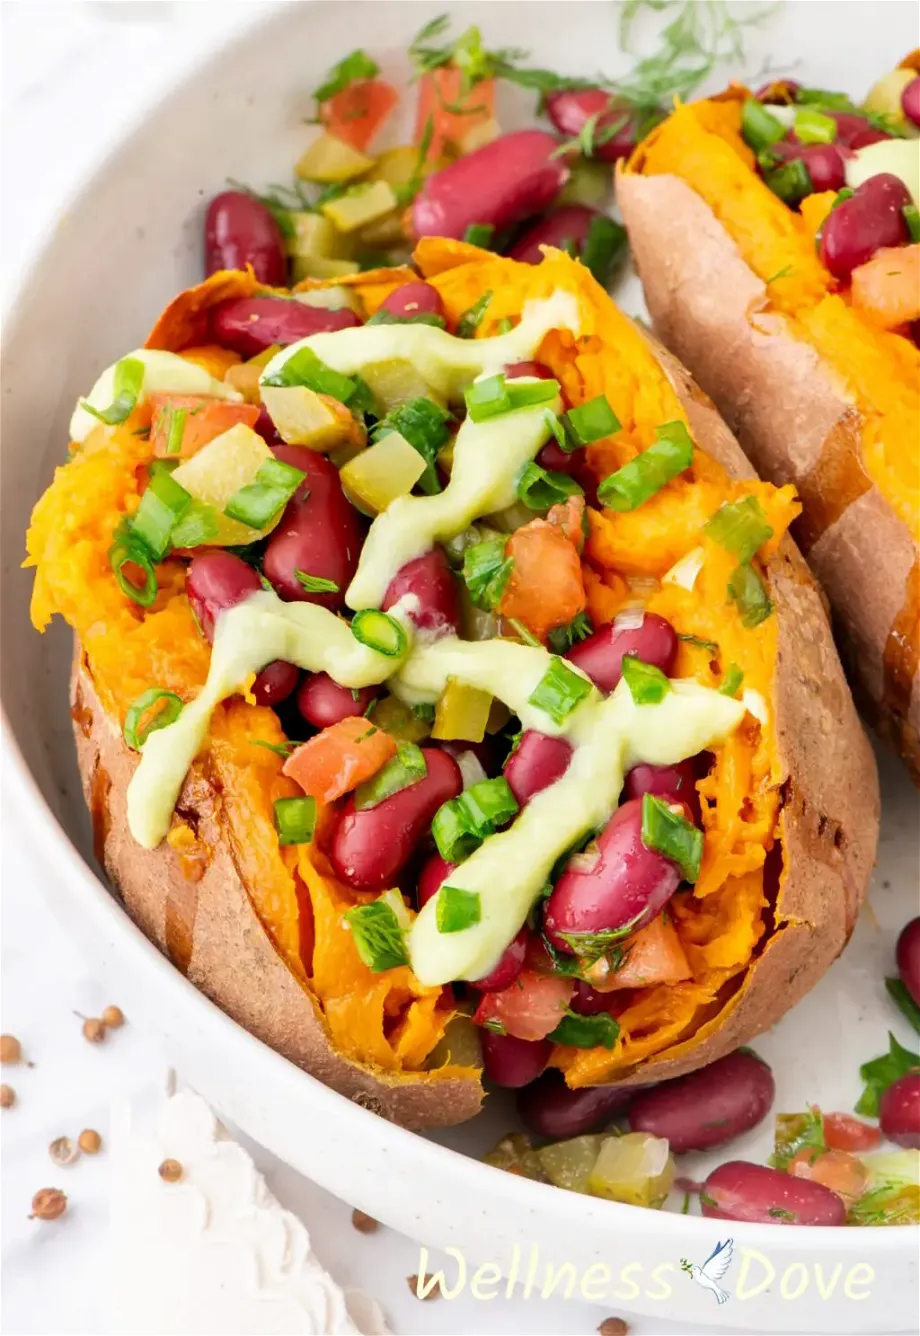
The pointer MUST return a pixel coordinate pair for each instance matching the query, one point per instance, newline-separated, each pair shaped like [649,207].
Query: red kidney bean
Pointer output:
[266,428]
[249,325]
[708,1107]
[854,131]
[509,966]
[536,762]
[825,163]
[371,848]
[668,781]
[430,579]
[570,111]
[322,702]
[601,655]
[434,872]
[570,223]
[240,230]
[553,457]
[908,958]
[548,1108]
[512,1062]
[319,534]
[627,884]
[276,682]
[742,1191]
[485,751]
[870,219]
[587,1001]
[414,299]
[899,1111]
[538,369]
[910,101]
[216,581]
[509,179]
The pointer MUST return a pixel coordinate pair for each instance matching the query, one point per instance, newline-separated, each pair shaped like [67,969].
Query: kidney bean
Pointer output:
[553,457]
[266,428]
[216,581]
[854,131]
[276,682]
[899,1111]
[570,223]
[601,655]
[668,781]
[825,163]
[512,1062]
[707,1107]
[871,219]
[548,1108]
[322,702]
[742,1191]
[908,958]
[371,848]
[627,884]
[538,369]
[249,325]
[430,579]
[509,966]
[434,872]
[240,230]
[414,299]
[506,180]
[319,534]
[536,762]
[910,101]
[571,110]
[587,1001]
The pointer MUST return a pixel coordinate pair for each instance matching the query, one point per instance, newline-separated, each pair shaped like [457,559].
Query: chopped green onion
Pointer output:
[128,381]
[604,247]
[378,936]
[457,909]
[295,819]
[813,127]
[160,465]
[505,325]
[425,712]
[461,824]
[162,507]
[356,65]
[746,590]
[647,684]
[843,194]
[699,643]
[316,584]
[643,477]
[562,639]
[759,127]
[407,767]
[379,631]
[560,690]
[137,734]
[485,572]
[589,422]
[672,835]
[126,551]
[258,503]
[451,833]
[912,219]
[897,991]
[305,368]
[472,318]
[733,679]
[494,396]
[479,234]
[790,181]
[384,317]
[740,527]
[539,488]
[598,1031]
[423,424]
[177,418]
[198,525]
[554,425]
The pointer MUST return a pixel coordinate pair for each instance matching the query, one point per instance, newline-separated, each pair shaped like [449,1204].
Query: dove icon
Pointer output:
[713,1269]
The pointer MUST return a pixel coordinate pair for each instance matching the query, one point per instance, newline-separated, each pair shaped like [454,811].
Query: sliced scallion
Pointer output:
[732,681]
[379,631]
[259,502]
[316,584]
[472,318]
[486,570]
[575,1031]
[162,507]
[136,731]
[560,690]
[461,824]
[759,127]
[479,234]
[126,552]
[790,181]
[295,819]
[668,456]
[177,417]
[604,247]
[814,127]
[589,422]
[539,488]
[423,424]
[198,525]
[669,833]
[128,381]
[378,936]
[305,368]
[647,684]
[457,909]
[740,527]
[407,767]
[747,592]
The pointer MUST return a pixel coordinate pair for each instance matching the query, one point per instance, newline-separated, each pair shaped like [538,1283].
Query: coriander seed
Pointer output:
[7,1096]
[170,1171]
[10,1048]
[89,1141]
[48,1204]
[93,1030]
[113,1017]
[63,1150]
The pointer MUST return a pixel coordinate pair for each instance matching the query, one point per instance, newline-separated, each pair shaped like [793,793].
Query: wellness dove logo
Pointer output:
[713,1269]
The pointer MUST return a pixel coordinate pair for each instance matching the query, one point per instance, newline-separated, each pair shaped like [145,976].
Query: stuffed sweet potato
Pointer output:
[582,769]
[778,240]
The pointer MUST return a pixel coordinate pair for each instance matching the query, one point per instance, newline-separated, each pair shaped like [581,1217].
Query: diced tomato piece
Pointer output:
[834,1169]
[530,1008]
[651,955]
[546,587]
[569,516]
[204,420]
[359,112]
[453,114]
[887,287]
[340,758]
[844,1132]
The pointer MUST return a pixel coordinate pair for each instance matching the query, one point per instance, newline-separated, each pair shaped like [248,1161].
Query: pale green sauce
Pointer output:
[164,373]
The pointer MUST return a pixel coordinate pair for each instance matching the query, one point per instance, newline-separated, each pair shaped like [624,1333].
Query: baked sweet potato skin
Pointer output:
[796,422]
[198,912]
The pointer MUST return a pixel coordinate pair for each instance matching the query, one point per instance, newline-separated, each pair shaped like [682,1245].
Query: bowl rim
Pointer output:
[40,829]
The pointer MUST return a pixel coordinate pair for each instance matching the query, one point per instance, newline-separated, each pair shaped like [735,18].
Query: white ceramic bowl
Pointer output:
[122,249]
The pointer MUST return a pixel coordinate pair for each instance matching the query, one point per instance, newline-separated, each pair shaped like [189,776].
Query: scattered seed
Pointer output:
[93,1030]
[7,1097]
[170,1171]
[613,1326]
[364,1224]
[113,1017]
[10,1048]
[48,1204]
[63,1150]
[433,1293]
[89,1141]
